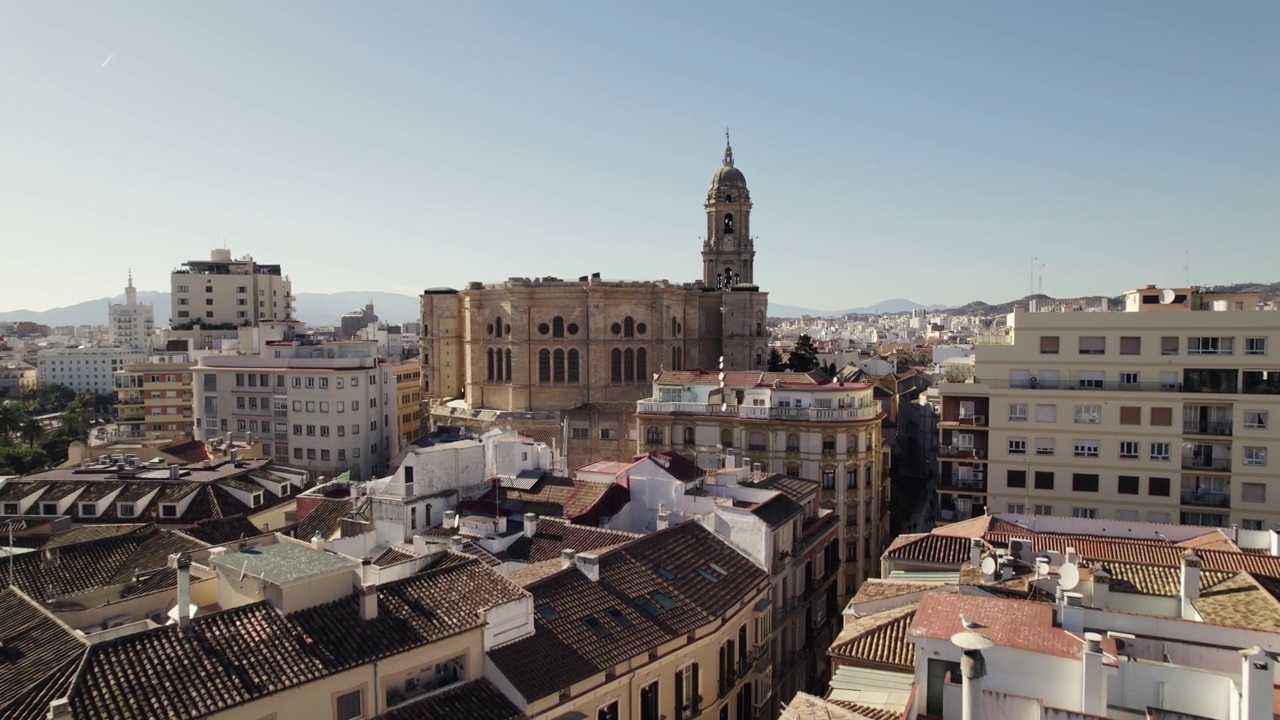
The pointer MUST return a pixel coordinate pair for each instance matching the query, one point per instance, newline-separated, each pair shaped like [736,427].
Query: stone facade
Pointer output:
[519,353]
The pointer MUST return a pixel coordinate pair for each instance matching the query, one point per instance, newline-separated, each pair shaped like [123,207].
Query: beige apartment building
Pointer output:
[1162,413]
[408,378]
[802,425]
[227,292]
[153,398]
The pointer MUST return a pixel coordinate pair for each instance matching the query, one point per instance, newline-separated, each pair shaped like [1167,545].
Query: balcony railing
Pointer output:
[1208,427]
[1199,462]
[958,452]
[755,412]
[1206,499]
[969,485]
[1062,384]
[964,421]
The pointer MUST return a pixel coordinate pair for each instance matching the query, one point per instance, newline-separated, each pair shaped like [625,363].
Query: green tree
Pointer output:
[32,431]
[776,363]
[804,356]
[20,460]
[11,419]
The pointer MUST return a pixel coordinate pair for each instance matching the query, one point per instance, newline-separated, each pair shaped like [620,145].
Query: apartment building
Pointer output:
[227,292]
[130,323]
[408,379]
[86,368]
[154,398]
[330,407]
[1162,412]
[802,425]
[16,377]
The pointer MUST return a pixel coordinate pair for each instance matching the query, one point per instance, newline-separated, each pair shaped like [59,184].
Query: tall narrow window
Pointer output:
[629,365]
[491,375]
[615,366]
[728,223]
[497,327]
[675,358]
[628,327]
[558,367]
[573,366]
[497,357]
[642,365]
[508,364]
[557,327]
[544,365]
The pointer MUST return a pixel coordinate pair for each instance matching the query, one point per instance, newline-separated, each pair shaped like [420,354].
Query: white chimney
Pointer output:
[973,667]
[1101,588]
[662,522]
[1255,684]
[184,590]
[589,564]
[567,558]
[235,456]
[59,709]
[368,602]
[1190,585]
[1094,685]
[975,552]
[175,472]
[317,541]
[500,524]
[530,525]
[451,518]
[1275,542]
[1072,556]
[456,542]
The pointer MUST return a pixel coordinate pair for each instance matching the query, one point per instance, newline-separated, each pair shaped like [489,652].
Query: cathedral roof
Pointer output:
[728,177]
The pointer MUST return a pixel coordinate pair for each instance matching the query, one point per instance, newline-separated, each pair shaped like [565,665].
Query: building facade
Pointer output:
[130,323]
[796,424]
[154,398]
[1160,413]
[408,379]
[222,292]
[330,407]
[16,377]
[523,351]
[85,369]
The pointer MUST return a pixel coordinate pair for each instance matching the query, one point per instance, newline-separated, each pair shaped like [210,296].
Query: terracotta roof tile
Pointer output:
[554,535]
[38,658]
[1156,580]
[809,707]
[879,638]
[878,589]
[475,700]
[868,711]
[102,563]
[928,548]
[393,556]
[555,497]
[218,531]
[1017,624]
[798,489]
[777,511]
[325,518]
[1242,601]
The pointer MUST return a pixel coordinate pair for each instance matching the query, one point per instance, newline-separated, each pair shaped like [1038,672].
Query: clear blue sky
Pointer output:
[917,149]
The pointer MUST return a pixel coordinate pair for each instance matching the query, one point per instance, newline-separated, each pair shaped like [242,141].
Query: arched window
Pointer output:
[573,366]
[793,443]
[828,444]
[673,326]
[557,372]
[508,365]
[642,365]
[497,327]
[675,358]
[544,365]
[491,375]
[756,441]
[497,363]
[728,223]
[615,366]
[654,436]
[557,327]
[726,438]
[793,470]
[688,436]
[628,327]
[629,365]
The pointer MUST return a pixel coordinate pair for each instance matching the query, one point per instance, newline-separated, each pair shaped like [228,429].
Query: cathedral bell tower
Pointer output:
[728,254]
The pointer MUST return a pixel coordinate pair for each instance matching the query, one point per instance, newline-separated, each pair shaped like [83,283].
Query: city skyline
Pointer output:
[311,135]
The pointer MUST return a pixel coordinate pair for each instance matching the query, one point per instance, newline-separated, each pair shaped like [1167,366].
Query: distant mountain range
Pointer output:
[895,305]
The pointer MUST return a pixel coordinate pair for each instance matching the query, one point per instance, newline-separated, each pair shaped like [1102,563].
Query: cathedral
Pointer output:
[564,361]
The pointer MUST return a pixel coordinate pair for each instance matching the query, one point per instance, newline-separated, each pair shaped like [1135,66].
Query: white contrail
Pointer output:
[113,54]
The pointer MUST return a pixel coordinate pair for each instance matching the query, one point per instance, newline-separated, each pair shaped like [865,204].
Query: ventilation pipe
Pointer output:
[663,520]
[368,594]
[317,541]
[1072,556]
[1190,585]
[530,525]
[973,667]
[184,590]
[456,542]
[1094,684]
[175,472]
[1255,684]
[567,558]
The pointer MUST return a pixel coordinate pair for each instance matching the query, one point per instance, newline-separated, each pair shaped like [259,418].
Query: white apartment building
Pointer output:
[1160,413]
[221,291]
[129,324]
[330,407]
[86,368]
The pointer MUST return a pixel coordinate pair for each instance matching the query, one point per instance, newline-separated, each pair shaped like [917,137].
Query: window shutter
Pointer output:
[1161,416]
[1130,415]
[696,692]
[679,694]
[1130,345]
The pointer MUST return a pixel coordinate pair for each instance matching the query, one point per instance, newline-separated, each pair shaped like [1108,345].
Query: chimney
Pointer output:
[451,518]
[1072,556]
[530,525]
[1190,586]
[175,472]
[368,596]
[235,456]
[317,541]
[184,590]
[59,709]
[1094,684]
[589,564]
[662,522]
[1255,684]
[1275,542]
[456,542]
[500,524]
[975,552]
[973,667]
[567,558]
[1101,588]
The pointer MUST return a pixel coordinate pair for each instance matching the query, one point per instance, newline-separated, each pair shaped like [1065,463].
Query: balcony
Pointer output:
[1212,463]
[965,485]
[979,421]
[1206,427]
[755,412]
[131,399]
[1206,498]
[1064,384]
[960,452]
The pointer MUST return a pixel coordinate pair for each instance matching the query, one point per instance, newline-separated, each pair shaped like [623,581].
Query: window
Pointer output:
[1255,456]
[1044,510]
[615,365]
[1017,446]
[1046,413]
[1017,412]
[311,405]
[1169,380]
[1129,377]
[574,366]
[1255,419]
[1015,508]
[687,690]
[349,706]
[1044,481]
[1091,379]
[126,510]
[1253,492]
[1084,482]
[297,453]
[324,431]
[1169,345]
[311,430]
[793,443]
[1159,451]
[1048,344]
[610,711]
[1255,346]
[1130,345]
[1130,415]
[653,436]
[1128,485]
[1016,479]
[297,382]
[1210,345]
[1080,512]
[1162,416]
[828,479]
[649,702]
[853,479]
[1092,344]
[1158,517]
[608,434]
[1045,446]
[1086,448]
[1089,414]
[311,453]
[1158,486]
[1127,515]
[1130,449]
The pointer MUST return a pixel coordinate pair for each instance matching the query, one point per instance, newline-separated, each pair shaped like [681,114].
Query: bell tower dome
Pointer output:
[728,253]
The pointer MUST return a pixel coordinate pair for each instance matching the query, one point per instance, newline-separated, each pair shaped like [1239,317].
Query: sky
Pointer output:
[925,150]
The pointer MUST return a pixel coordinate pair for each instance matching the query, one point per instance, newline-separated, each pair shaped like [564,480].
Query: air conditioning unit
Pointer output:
[979,419]
[979,453]
[979,475]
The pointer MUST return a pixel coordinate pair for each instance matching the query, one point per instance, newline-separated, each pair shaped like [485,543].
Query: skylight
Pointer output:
[665,573]
[666,602]
[547,612]
[707,574]
[647,605]
[618,618]
[596,626]
[718,569]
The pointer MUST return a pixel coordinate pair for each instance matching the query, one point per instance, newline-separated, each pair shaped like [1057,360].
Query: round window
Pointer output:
[573,328]
[489,330]
[640,328]
[616,328]
[544,328]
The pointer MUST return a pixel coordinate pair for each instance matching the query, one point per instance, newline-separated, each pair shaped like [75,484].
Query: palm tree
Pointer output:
[33,431]
[11,419]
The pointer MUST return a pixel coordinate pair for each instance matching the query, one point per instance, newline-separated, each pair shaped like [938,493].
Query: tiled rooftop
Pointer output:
[878,638]
[38,658]
[1243,601]
[475,700]
[929,548]
[218,531]
[559,497]
[1156,580]
[798,489]
[878,589]
[1019,624]
[283,562]
[777,511]
[592,626]
[809,707]
[325,518]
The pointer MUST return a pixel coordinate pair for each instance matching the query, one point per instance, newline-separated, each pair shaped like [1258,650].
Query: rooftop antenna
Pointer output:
[1031,282]
[1186,265]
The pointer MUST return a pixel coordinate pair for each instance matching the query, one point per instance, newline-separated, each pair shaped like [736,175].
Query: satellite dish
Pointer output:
[988,565]
[971,641]
[1166,296]
[1068,576]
